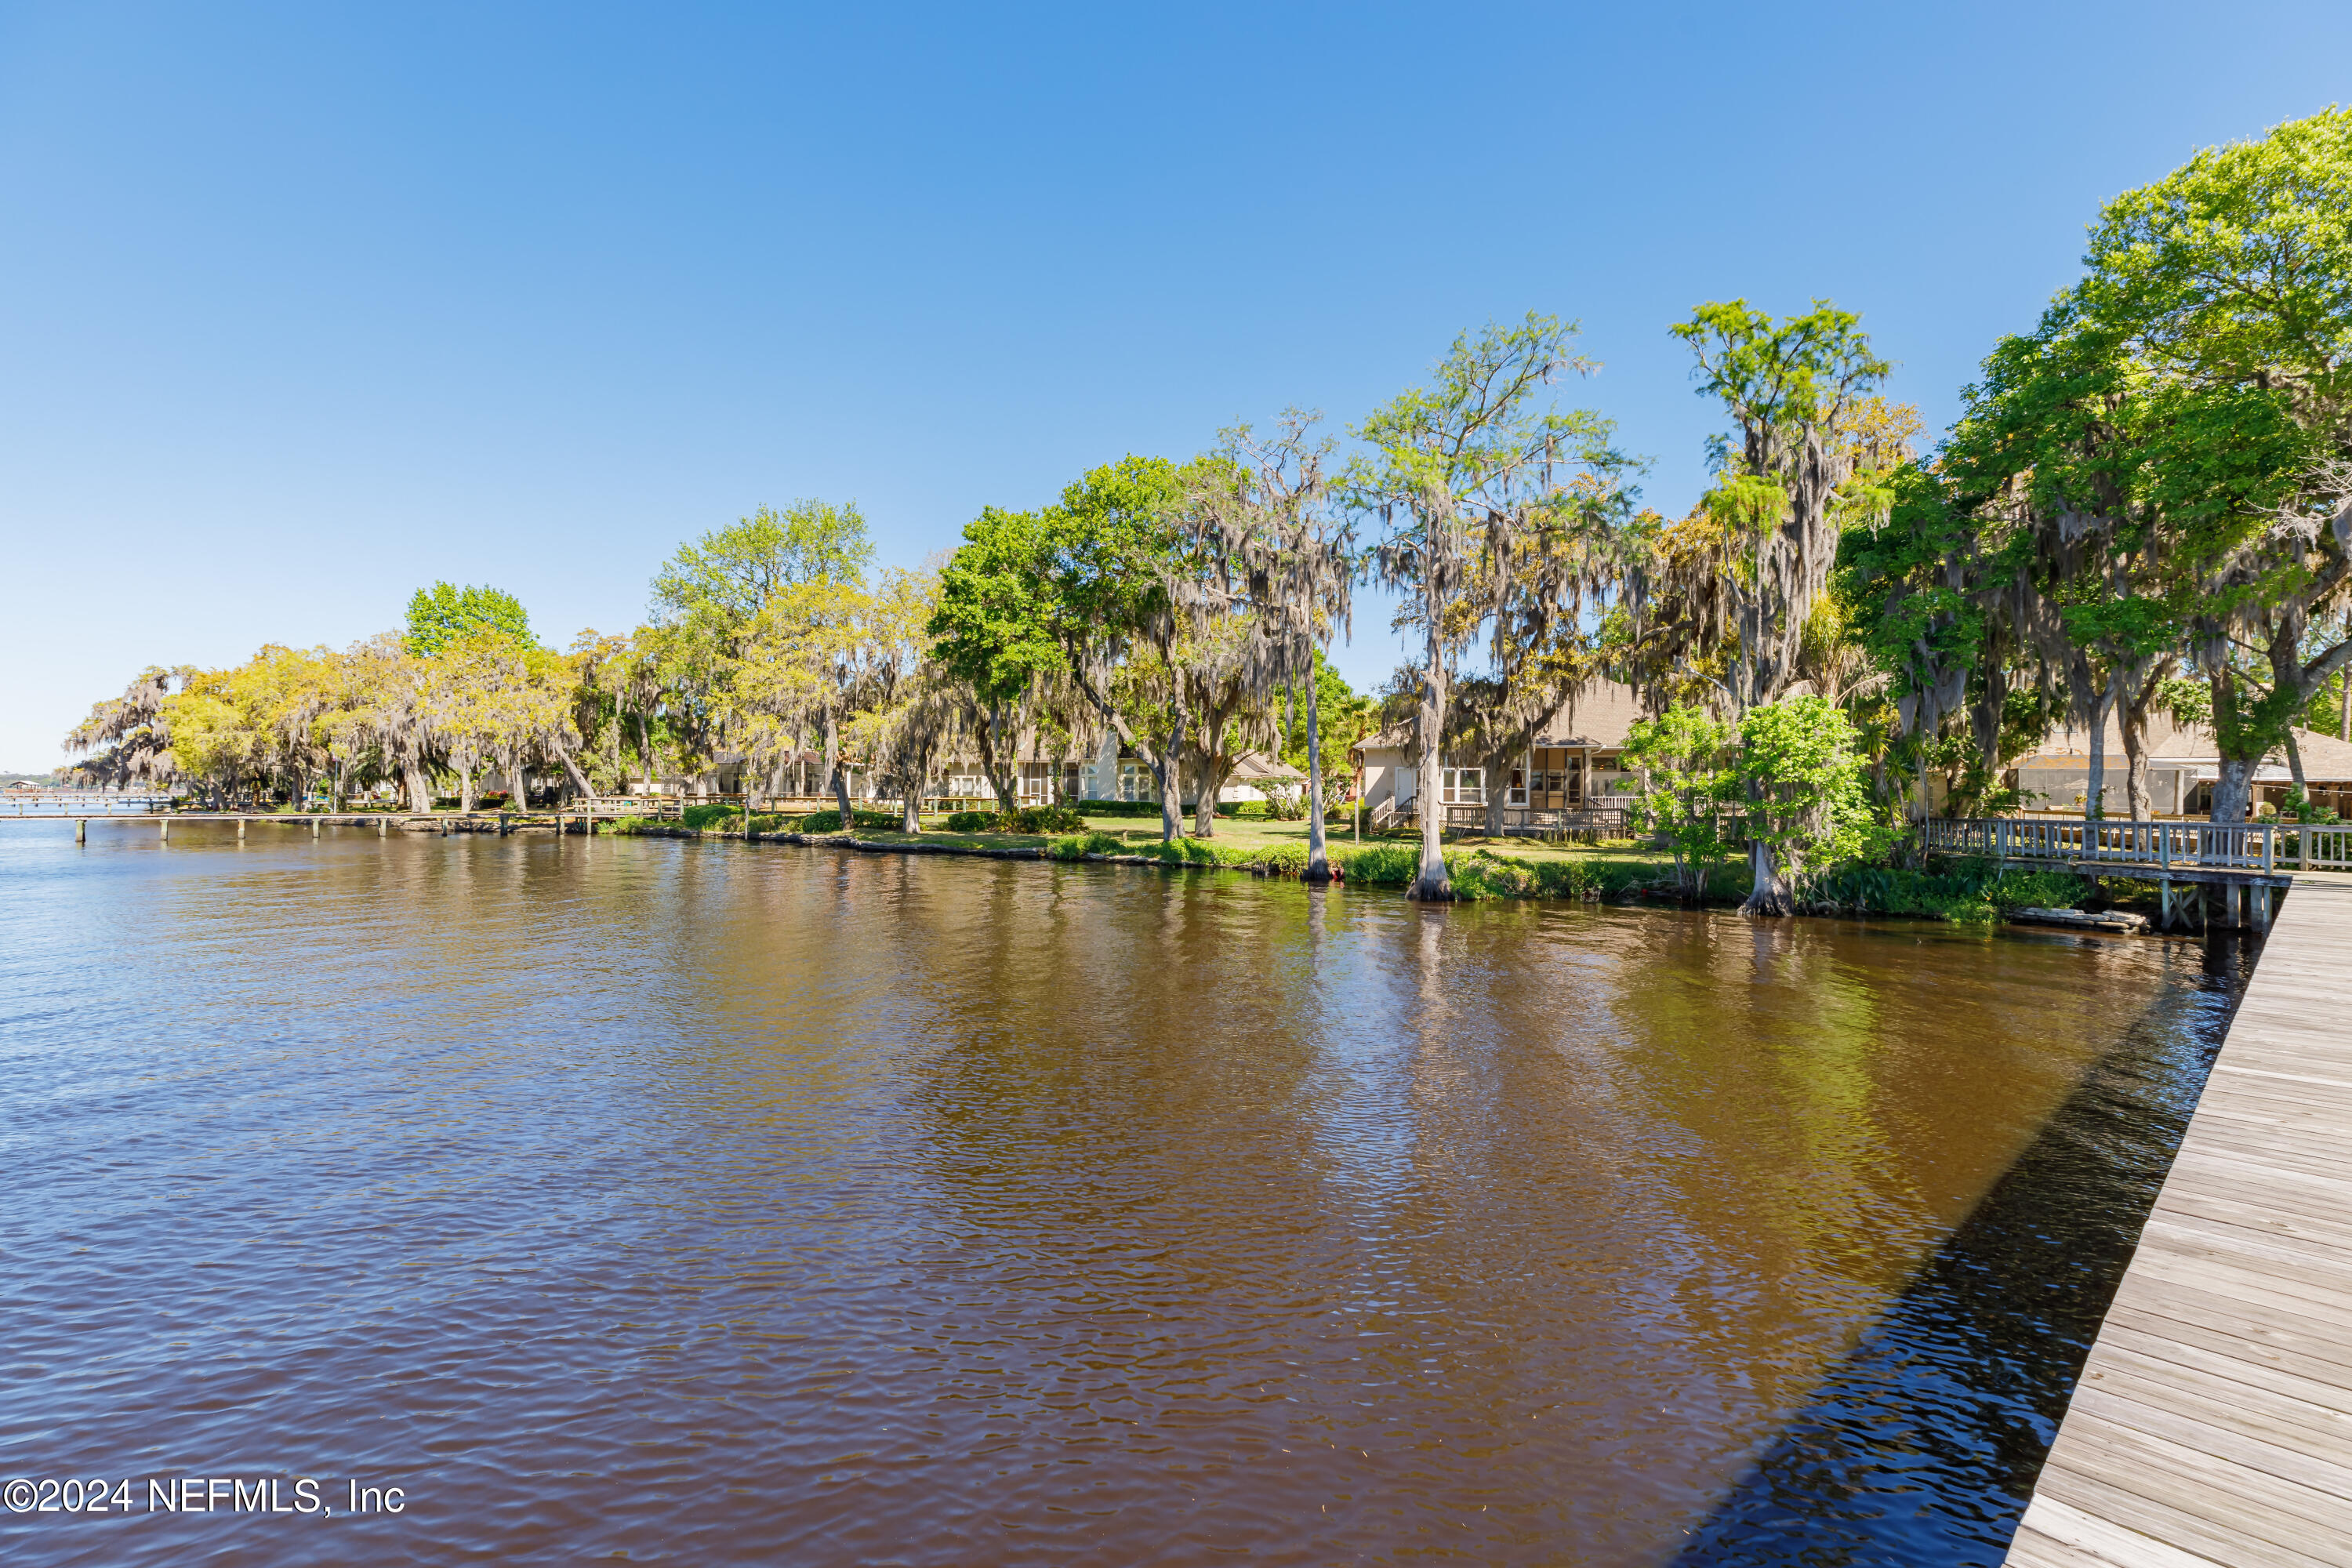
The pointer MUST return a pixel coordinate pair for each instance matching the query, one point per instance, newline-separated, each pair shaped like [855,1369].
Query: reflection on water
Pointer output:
[702,1203]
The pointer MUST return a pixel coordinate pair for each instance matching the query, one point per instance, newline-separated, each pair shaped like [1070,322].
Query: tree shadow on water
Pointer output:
[1923,1446]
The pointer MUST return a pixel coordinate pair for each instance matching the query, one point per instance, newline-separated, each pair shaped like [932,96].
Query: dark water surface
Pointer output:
[700,1204]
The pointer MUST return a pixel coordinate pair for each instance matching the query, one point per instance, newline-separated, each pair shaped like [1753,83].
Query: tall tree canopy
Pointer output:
[1493,511]
[445,614]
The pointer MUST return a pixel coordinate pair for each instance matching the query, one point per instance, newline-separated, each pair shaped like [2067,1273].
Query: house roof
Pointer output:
[2324,757]
[1253,767]
[1601,716]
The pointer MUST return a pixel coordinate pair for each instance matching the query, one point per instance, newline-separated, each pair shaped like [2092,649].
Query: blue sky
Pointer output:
[301,307]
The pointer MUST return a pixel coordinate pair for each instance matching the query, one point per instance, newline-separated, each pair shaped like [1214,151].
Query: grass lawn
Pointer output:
[1232,833]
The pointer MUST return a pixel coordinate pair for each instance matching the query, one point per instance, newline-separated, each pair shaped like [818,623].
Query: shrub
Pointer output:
[830,821]
[1041,819]
[1120,807]
[1078,846]
[1198,852]
[1284,859]
[1028,819]
[1380,864]
[1963,891]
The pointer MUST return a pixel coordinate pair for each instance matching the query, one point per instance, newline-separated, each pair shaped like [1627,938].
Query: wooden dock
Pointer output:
[2212,1424]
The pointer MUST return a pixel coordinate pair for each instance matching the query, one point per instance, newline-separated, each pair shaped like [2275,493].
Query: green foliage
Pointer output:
[1028,819]
[2134,453]
[443,613]
[1380,865]
[1343,717]
[1284,859]
[1000,622]
[1029,594]
[1078,846]
[1778,377]
[2189,703]
[830,821]
[727,577]
[1688,758]
[1964,892]
[1802,770]
[2297,806]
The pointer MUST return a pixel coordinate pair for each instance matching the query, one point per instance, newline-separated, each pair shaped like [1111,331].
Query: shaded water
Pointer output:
[704,1203]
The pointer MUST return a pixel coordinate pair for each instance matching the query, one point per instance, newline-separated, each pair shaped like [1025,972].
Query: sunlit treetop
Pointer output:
[444,614]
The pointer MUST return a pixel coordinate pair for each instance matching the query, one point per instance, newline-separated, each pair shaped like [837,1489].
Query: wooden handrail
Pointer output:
[2241,846]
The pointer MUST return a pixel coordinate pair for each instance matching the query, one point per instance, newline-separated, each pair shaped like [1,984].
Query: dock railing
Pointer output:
[2264,847]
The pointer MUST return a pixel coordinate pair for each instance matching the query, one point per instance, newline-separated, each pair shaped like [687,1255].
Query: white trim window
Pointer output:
[1518,795]
[1465,786]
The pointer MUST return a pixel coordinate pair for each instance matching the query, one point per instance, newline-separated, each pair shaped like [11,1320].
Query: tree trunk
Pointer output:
[2132,703]
[2295,766]
[1172,776]
[517,788]
[1209,783]
[999,779]
[834,770]
[1432,885]
[586,791]
[910,808]
[1768,892]
[1318,860]
[2344,720]
[2094,791]
[466,797]
[2233,790]
[420,788]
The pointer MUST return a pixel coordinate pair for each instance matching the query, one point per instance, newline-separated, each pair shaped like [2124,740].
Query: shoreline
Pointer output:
[1629,893]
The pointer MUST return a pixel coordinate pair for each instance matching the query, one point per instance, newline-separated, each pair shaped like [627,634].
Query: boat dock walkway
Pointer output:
[2212,1424]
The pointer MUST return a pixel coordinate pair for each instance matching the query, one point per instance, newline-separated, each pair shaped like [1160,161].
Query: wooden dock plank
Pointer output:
[2091,1539]
[2212,1423]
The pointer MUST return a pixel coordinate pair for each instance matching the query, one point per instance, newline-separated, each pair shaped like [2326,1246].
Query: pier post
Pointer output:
[240,827]
[81,829]
[162,828]
[380,827]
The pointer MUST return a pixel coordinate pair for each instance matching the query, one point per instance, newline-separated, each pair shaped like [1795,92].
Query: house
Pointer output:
[2183,764]
[1111,773]
[1574,765]
[1115,773]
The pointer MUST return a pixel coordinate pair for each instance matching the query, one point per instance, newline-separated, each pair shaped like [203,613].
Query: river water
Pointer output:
[705,1204]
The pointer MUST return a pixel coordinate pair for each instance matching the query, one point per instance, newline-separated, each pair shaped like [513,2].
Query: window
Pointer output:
[1518,795]
[1465,786]
[1136,783]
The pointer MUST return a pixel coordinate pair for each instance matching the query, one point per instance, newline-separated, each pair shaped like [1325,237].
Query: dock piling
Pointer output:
[81,829]
[162,828]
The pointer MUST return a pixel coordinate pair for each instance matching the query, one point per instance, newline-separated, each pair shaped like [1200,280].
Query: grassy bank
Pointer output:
[1966,892]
